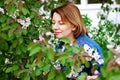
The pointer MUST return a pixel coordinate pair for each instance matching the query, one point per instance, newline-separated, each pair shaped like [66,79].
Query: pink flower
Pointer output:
[35,41]
[41,38]
[48,46]
[49,34]
[96,72]
[118,60]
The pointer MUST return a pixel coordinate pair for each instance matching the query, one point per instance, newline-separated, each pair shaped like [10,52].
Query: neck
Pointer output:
[73,41]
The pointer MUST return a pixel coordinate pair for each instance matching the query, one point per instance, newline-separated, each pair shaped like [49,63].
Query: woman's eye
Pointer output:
[61,23]
[53,23]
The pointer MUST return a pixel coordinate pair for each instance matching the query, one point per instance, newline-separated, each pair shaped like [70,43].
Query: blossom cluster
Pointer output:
[2,10]
[25,23]
[93,54]
[116,52]
[51,42]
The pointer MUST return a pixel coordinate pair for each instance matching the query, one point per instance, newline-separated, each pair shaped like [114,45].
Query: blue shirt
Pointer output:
[83,40]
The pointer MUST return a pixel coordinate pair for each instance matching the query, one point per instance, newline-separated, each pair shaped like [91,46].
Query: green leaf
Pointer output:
[60,76]
[13,68]
[87,64]
[11,34]
[17,34]
[51,54]
[18,51]
[51,75]
[26,78]
[11,10]
[66,40]
[46,68]
[62,58]
[3,45]
[103,71]
[8,1]
[14,44]
[34,50]
[38,71]
[5,27]
[4,36]
[3,18]
[25,11]
[23,48]
[20,39]
[75,49]
[31,45]
[24,31]
[114,77]
[82,76]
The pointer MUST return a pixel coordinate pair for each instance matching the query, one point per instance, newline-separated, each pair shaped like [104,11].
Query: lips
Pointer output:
[56,33]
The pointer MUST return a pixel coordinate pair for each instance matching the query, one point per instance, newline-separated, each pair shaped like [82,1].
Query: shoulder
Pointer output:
[84,39]
[89,45]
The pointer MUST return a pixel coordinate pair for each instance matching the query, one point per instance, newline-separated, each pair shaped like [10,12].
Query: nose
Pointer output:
[55,26]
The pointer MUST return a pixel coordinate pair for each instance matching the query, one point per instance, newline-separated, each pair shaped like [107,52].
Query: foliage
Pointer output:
[107,35]
[27,51]
[20,23]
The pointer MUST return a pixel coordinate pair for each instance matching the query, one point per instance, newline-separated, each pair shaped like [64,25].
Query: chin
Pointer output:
[59,37]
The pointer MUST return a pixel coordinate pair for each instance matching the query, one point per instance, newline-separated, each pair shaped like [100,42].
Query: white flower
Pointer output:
[22,22]
[72,73]
[28,19]
[52,40]
[93,54]
[35,40]
[7,61]
[93,77]
[56,65]
[0,52]
[118,61]
[22,1]
[34,68]
[117,49]
[96,56]
[41,10]
[25,23]
[100,61]
[63,48]
[2,10]
[86,47]
[110,46]
[89,51]
[49,34]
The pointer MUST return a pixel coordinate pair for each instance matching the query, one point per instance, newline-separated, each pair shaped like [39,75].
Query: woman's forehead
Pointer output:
[59,16]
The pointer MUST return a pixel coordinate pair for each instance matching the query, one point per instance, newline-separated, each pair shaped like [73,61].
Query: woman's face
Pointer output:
[62,29]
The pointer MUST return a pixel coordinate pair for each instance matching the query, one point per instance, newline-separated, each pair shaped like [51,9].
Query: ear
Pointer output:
[73,28]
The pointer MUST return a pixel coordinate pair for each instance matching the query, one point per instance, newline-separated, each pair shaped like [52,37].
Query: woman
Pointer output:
[67,22]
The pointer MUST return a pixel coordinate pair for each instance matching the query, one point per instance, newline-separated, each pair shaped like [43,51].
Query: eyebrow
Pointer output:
[58,20]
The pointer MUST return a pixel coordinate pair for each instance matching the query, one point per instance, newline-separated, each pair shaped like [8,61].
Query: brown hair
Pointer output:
[69,12]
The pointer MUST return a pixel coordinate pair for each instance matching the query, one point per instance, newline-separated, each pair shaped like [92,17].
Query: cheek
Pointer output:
[67,31]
